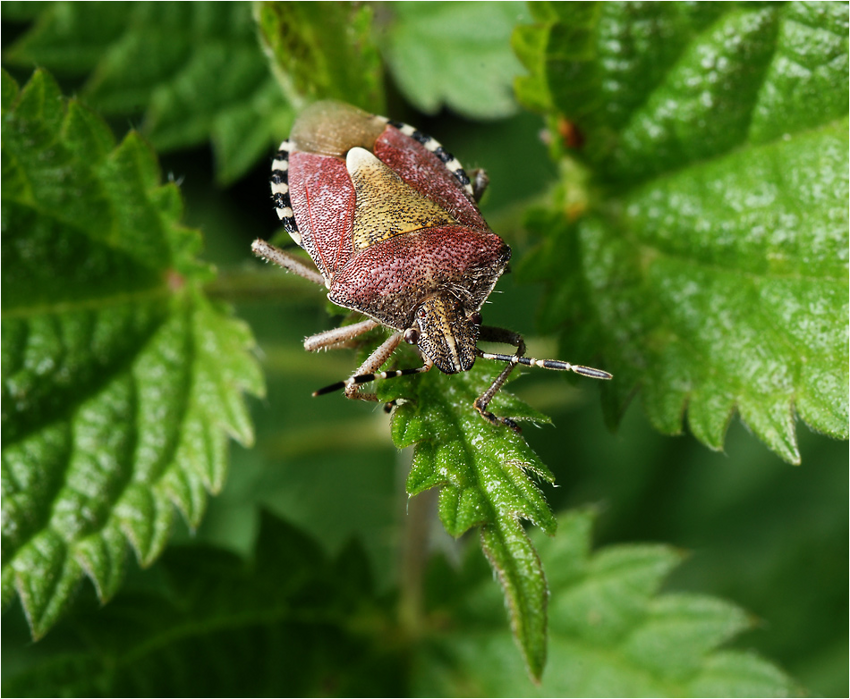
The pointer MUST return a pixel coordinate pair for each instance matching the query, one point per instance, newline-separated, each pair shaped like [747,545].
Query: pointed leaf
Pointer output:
[706,259]
[120,381]
[488,477]
[612,634]
[436,60]
[215,624]
[195,70]
[323,51]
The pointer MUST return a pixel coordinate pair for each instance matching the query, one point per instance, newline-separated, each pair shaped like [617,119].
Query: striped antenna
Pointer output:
[554,364]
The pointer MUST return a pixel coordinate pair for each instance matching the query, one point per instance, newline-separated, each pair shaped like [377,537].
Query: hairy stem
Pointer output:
[244,284]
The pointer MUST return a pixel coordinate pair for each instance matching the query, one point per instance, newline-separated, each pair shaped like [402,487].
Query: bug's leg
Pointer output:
[366,372]
[286,260]
[332,339]
[479,183]
[490,334]
[369,367]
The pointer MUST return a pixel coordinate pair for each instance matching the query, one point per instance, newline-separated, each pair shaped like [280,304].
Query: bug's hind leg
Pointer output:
[479,181]
[286,260]
[338,337]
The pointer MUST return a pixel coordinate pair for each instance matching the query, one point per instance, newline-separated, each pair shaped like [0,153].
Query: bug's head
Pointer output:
[445,332]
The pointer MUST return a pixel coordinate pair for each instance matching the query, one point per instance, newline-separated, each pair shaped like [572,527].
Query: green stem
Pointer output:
[419,516]
[242,285]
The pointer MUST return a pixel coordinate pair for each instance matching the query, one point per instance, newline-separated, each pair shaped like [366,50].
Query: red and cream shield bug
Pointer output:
[390,220]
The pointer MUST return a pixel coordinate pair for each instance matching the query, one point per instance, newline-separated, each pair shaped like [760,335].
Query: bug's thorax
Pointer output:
[445,332]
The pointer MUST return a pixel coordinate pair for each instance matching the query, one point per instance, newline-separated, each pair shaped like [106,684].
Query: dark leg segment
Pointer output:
[367,372]
[479,181]
[369,367]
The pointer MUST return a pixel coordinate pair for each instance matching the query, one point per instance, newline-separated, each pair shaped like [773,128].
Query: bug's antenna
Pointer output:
[555,364]
[490,334]
[512,360]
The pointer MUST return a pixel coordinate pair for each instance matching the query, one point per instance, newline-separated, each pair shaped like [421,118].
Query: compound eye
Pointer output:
[411,336]
[475,318]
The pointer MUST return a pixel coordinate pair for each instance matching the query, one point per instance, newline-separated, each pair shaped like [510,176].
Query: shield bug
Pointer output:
[391,221]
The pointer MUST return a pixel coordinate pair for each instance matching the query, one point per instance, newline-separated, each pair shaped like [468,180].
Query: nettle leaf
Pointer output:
[195,70]
[121,382]
[612,634]
[214,624]
[488,477]
[323,51]
[436,60]
[702,245]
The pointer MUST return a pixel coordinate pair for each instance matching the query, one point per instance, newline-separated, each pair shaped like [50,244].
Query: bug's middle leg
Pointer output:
[368,371]
[371,365]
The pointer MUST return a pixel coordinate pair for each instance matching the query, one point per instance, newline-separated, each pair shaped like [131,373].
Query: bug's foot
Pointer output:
[495,419]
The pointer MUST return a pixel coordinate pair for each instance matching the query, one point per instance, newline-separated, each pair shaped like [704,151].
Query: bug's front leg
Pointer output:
[490,334]
[509,337]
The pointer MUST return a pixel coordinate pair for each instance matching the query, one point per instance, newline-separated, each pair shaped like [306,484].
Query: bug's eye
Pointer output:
[475,318]
[411,336]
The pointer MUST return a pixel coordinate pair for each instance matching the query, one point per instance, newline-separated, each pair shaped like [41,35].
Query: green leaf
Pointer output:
[704,248]
[121,381]
[323,51]
[455,54]
[488,478]
[612,634]
[195,70]
[68,40]
[212,624]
